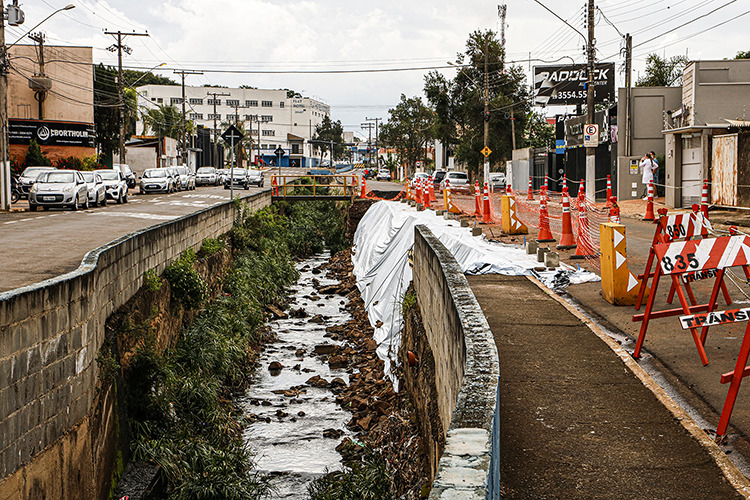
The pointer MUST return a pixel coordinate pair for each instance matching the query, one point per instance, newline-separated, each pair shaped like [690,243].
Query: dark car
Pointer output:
[437,178]
[239,178]
[28,178]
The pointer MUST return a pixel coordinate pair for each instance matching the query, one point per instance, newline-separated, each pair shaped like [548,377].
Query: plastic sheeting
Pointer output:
[380,256]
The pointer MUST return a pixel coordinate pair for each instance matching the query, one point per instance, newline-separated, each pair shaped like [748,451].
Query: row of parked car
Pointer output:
[459,181]
[48,187]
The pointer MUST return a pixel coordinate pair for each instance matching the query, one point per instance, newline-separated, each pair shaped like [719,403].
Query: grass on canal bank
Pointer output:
[179,400]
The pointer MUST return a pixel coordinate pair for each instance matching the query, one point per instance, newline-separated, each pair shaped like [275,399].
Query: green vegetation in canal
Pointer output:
[180,401]
[367,479]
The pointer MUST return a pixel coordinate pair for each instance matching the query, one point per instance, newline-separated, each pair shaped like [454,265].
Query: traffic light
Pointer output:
[486,116]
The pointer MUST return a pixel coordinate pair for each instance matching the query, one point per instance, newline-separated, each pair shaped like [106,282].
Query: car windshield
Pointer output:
[239,171]
[33,171]
[151,174]
[497,176]
[125,169]
[205,170]
[57,177]
[458,175]
[88,176]
[109,175]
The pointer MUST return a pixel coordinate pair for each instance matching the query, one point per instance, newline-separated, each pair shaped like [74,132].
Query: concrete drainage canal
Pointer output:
[296,423]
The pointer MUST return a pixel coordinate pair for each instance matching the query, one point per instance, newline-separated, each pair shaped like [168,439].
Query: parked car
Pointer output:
[187,179]
[239,178]
[437,178]
[207,176]
[127,172]
[384,174]
[418,175]
[497,180]
[28,177]
[117,186]
[59,188]
[156,180]
[255,177]
[223,174]
[96,187]
[176,179]
[459,181]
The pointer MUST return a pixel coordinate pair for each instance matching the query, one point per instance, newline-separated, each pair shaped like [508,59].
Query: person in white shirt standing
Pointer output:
[648,167]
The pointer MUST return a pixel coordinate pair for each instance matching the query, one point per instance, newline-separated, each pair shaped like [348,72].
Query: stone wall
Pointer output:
[466,373]
[50,335]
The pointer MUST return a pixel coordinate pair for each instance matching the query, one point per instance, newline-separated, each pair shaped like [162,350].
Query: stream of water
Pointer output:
[287,435]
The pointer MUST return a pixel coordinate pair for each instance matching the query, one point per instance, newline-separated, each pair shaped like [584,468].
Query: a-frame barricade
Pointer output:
[682,260]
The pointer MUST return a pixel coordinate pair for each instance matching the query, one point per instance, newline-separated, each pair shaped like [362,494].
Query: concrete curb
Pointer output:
[738,480]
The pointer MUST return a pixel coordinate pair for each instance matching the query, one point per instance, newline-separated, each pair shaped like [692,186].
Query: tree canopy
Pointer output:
[743,54]
[330,131]
[106,109]
[408,130]
[458,103]
[662,72]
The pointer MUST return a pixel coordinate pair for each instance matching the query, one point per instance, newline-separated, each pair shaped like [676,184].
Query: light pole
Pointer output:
[15,18]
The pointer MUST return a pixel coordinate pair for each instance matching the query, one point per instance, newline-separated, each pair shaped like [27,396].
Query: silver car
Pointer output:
[175,174]
[156,180]
[59,189]
[28,177]
[255,177]
[459,181]
[96,187]
[207,176]
[117,186]
[187,181]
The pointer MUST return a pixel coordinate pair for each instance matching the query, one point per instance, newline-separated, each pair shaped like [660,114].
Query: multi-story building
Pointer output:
[276,118]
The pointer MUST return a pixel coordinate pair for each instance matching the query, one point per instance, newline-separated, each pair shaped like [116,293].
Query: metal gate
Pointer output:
[724,170]
[692,170]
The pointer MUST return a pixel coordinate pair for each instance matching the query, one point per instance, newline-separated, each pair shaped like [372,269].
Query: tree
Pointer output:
[662,72]
[458,103]
[131,77]
[743,55]
[35,157]
[540,133]
[106,109]
[329,131]
[164,121]
[408,130]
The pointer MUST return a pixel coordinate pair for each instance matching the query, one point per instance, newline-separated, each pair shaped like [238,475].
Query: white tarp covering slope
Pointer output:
[381,264]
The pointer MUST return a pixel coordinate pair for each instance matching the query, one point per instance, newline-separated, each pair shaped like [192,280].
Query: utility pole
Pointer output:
[377,157]
[119,48]
[590,116]
[486,172]
[628,85]
[369,126]
[5,167]
[183,133]
[237,124]
[41,94]
[216,132]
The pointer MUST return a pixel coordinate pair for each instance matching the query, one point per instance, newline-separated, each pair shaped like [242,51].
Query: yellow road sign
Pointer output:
[486,151]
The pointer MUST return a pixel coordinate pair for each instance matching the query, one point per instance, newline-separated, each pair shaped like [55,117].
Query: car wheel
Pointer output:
[125,198]
[119,199]
[226,187]
[74,206]
[86,203]
[32,208]
[103,201]
[247,186]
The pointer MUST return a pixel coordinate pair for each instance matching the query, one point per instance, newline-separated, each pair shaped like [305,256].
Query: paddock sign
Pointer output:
[715,318]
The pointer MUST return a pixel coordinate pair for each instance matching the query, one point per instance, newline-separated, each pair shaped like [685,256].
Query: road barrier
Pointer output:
[619,285]
[332,187]
[511,224]
[567,240]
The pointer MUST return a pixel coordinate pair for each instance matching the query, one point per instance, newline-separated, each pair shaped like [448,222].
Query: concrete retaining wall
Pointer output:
[50,335]
[466,373]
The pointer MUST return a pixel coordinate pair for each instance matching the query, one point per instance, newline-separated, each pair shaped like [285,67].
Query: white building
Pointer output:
[283,121]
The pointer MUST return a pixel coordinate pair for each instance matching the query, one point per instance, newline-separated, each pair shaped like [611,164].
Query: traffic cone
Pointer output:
[431,189]
[564,189]
[530,194]
[614,211]
[419,191]
[487,209]
[581,200]
[704,199]
[545,187]
[426,195]
[650,203]
[363,194]
[609,192]
[477,200]
[585,247]
[545,235]
[567,240]
[408,190]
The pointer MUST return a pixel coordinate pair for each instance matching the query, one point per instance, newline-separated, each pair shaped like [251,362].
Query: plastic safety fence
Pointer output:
[401,194]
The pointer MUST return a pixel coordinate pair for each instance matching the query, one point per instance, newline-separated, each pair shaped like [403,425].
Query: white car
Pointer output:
[207,176]
[459,181]
[117,186]
[59,188]
[497,180]
[187,181]
[156,180]
[384,174]
[96,187]
[419,175]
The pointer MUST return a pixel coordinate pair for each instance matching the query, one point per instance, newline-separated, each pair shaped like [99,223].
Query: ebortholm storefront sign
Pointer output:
[566,84]
[51,133]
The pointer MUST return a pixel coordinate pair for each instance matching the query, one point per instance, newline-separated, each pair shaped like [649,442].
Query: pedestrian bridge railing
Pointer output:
[315,187]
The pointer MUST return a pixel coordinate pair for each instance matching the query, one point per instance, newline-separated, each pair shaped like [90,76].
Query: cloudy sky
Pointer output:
[292,43]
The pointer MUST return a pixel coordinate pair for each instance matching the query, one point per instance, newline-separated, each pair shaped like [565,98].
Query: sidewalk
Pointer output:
[576,422]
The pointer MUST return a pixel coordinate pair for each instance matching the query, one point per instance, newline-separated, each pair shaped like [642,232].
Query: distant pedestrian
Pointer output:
[648,167]
[655,162]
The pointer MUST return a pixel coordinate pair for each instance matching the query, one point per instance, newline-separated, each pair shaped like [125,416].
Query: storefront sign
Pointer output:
[566,84]
[50,133]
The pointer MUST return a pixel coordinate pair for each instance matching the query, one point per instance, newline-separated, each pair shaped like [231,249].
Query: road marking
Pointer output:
[137,215]
[11,222]
[211,196]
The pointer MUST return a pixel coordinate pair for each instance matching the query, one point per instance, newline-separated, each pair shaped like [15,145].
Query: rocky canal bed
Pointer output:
[320,400]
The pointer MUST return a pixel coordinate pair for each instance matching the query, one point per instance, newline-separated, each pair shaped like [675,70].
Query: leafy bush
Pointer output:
[69,163]
[210,246]
[188,288]
[152,281]
[91,163]
[366,480]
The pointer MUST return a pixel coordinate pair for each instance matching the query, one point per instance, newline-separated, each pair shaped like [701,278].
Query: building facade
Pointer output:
[51,100]
[275,118]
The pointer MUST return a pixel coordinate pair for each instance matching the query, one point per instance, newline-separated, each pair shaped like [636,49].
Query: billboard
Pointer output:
[51,133]
[558,84]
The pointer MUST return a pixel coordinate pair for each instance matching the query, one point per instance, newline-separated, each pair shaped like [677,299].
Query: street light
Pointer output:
[67,7]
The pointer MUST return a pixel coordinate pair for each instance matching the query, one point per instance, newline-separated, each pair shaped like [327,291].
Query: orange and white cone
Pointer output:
[487,209]
[431,189]
[419,191]
[545,235]
[564,189]
[426,195]
[530,194]
[704,199]
[585,247]
[477,200]
[545,187]
[363,194]
[409,194]
[567,240]
[581,200]
[609,192]
[650,203]
[614,211]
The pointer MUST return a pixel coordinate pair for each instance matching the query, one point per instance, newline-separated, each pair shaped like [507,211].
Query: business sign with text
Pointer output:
[51,133]
[566,84]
